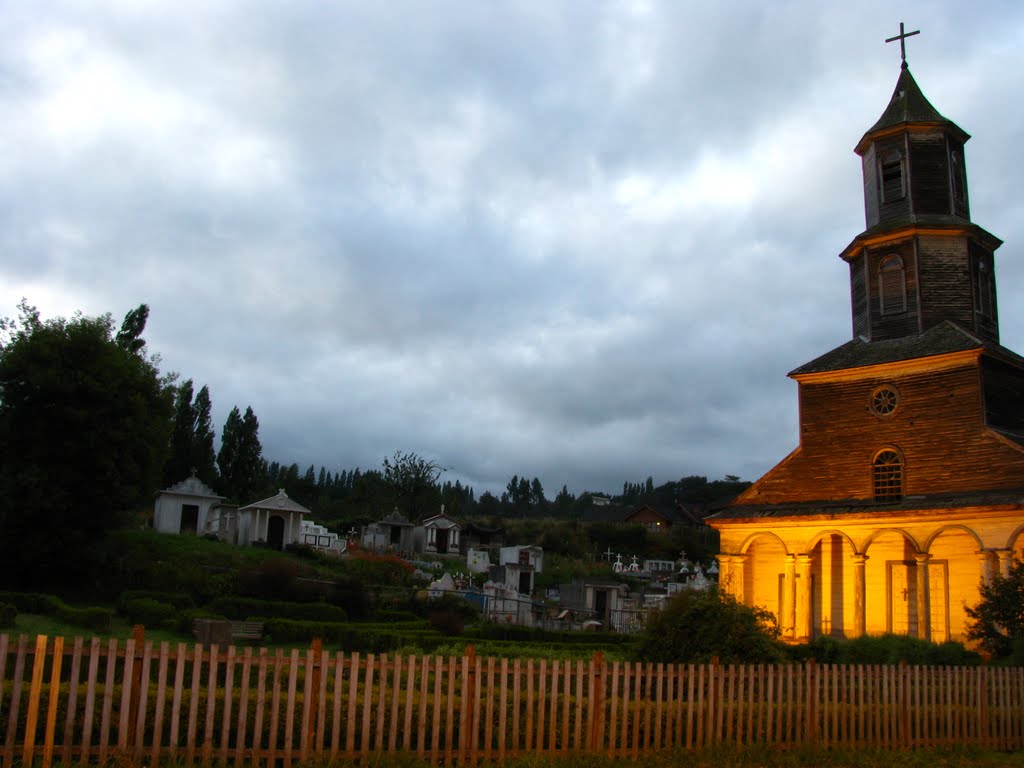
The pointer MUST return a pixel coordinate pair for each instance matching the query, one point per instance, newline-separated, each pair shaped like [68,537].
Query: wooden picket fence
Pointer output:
[92,700]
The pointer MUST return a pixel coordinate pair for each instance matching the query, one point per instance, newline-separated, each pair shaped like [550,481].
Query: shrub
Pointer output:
[7,615]
[884,649]
[697,625]
[997,622]
[240,608]
[96,619]
[33,602]
[446,622]
[150,613]
[179,600]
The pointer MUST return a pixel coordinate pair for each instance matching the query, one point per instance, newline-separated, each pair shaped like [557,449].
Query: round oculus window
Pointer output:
[885,400]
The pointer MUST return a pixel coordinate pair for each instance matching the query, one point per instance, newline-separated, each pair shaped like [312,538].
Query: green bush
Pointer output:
[96,619]
[884,649]
[698,625]
[8,613]
[33,602]
[240,608]
[179,600]
[149,612]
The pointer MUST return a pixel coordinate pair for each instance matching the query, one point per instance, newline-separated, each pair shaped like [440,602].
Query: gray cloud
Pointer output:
[579,241]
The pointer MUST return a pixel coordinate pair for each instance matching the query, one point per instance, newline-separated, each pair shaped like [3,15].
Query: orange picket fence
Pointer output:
[87,700]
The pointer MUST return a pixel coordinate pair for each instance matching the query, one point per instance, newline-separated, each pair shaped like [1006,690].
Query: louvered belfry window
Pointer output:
[887,473]
[892,286]
[891,178]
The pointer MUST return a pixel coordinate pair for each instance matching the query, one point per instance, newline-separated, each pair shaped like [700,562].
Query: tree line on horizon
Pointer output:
[90,429]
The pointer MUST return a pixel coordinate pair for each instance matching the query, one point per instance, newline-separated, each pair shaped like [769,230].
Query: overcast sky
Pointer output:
[583,241]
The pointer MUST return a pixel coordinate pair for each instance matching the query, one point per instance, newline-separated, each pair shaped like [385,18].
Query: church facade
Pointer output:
[906,490]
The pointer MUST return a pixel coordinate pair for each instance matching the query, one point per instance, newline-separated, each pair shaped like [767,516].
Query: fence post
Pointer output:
[811,711]
[595,725]
[984,730]
[713,704]
[139,635]
[904,706]
[314,704]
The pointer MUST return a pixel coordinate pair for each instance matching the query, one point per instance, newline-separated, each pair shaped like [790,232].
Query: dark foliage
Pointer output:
[997,622]
[698,625]
[84,422]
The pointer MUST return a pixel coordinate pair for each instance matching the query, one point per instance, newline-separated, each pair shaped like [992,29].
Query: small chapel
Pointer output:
[906,490]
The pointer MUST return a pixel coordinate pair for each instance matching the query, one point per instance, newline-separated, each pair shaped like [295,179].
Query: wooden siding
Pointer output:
[939,429]
[946,286]
[245,706]
[894,212]
[929,173]
[1004,394]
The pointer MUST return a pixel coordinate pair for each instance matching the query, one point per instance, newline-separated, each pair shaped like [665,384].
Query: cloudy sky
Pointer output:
[583,241]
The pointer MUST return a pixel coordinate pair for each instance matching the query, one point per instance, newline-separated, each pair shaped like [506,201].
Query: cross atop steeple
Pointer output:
[902,37]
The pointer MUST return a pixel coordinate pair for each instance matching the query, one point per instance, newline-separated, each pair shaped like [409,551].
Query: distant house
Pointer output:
[518,567]
[602,599]
[188,507]
[393,533]
[276,521]
[437,535]
[649,518]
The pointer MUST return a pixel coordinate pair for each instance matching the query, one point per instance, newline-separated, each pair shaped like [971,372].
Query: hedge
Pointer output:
[96,619]
[240,608]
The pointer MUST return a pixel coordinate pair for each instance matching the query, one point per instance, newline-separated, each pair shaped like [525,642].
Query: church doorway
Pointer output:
[275,532]
[902,598]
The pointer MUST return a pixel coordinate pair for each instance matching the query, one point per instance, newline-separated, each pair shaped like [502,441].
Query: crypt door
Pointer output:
[275,532]
[902,619]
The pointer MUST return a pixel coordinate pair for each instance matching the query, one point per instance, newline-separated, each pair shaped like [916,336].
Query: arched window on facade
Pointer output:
[891,177]
[887,475]
[892,286]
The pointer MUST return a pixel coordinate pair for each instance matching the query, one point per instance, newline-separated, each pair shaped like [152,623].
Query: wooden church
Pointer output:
[907,488]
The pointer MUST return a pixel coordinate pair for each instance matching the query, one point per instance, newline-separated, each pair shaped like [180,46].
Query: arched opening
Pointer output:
[891,585]
[832,591]
[275,532]
[954,576]
[764,570]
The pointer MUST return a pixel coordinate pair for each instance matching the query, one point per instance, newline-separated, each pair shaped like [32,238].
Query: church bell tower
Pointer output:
[920,261]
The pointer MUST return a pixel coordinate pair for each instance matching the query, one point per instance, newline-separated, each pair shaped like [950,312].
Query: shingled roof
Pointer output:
[941,339]
[908,105]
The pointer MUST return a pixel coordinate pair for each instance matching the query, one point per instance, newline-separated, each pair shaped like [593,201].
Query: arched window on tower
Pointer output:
[956,167]
[887,475]
[892,286]
[984,288]
[891,177]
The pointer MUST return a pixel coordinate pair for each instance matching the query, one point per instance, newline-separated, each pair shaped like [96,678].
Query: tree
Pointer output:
[84,425]
[204,459]
[241,456]
[997,622]
[697,625]
[413,482]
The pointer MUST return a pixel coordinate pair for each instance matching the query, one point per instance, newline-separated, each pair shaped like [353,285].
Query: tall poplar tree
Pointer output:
[241,456]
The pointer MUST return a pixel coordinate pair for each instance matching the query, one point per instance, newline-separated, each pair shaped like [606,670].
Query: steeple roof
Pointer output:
[908,105]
